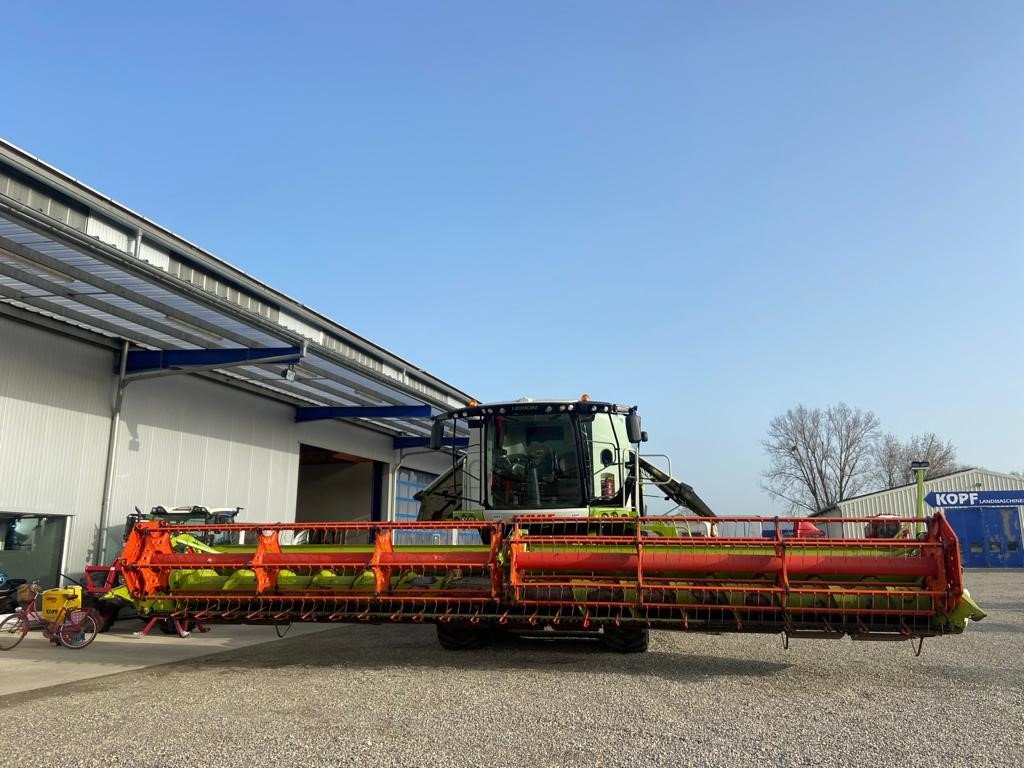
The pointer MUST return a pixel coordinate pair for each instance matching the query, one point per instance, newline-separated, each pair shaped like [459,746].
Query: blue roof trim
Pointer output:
[363,412]
[144,361]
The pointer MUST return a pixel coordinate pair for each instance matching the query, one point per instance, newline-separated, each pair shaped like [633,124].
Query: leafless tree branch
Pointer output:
[818,458]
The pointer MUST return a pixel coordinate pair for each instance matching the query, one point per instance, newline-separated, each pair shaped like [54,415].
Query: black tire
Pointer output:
[626,639]
[167,627]
[12,631]
[107,614]
[462,637]
[79,629]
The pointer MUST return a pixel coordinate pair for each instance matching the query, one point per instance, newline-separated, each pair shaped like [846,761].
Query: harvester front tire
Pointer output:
[462,637]
[626,639]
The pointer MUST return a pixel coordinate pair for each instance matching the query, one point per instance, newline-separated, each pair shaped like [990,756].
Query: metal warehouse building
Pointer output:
[138,370]
[983,507]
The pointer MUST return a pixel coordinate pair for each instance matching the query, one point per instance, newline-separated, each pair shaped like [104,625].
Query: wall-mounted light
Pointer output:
[288,374]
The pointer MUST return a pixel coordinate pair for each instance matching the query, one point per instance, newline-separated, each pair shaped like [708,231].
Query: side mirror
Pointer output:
[633,431]
[437,435]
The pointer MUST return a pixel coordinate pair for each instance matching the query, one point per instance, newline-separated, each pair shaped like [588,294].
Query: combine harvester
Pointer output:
[555,491]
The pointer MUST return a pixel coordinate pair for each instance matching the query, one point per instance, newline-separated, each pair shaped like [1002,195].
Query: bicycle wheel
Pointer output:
[13,630]
[78,629]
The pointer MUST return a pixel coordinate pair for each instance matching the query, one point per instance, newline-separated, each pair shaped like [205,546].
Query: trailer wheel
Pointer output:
[462,637]
[622,639]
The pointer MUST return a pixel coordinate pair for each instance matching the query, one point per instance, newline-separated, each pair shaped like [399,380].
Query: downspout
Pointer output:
[99,553]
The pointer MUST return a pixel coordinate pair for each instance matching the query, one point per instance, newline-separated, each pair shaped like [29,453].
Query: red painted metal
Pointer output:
[558,570]
[693,562]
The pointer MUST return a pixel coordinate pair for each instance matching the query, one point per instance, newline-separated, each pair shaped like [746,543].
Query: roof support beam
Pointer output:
[424,442]
[175,314]
[91,301]
[61,311]
[63,234]
[363,412]
[145,363]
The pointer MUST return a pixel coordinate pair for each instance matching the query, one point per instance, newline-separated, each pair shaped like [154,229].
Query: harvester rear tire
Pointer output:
[462,637]
[626,639]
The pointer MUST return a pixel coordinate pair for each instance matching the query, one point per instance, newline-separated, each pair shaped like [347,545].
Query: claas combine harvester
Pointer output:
[555,491]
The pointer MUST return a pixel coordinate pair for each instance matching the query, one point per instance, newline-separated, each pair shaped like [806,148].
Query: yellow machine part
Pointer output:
[69,598]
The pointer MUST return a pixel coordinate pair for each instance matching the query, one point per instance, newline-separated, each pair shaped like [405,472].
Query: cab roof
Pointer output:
[529,406]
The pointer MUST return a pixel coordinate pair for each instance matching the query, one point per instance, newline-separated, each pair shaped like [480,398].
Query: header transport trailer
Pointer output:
[555,490]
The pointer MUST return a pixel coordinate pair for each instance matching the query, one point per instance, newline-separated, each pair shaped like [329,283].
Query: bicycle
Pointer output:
[74,628]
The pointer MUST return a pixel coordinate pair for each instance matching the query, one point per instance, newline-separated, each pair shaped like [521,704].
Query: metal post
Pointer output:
[99,553]
[920,467]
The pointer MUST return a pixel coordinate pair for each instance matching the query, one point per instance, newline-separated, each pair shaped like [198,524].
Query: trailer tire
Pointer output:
[455,636]
[620,639]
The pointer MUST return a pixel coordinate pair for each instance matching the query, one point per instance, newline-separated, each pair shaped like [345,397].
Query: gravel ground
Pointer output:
[389,696]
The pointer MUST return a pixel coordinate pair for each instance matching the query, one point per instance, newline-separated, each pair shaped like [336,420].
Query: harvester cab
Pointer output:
[104,588]
[886,527]
[559,458]
[190,514]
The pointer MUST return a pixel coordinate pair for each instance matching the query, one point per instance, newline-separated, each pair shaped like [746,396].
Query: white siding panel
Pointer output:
[107,233]
[394,373]
[188,441]
[434,462]
[54,418]
[306,330]
[155,256]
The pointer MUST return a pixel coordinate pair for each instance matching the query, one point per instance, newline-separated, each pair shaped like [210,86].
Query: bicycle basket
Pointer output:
[26,595]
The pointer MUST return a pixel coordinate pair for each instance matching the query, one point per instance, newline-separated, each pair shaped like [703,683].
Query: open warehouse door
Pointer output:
[337,487]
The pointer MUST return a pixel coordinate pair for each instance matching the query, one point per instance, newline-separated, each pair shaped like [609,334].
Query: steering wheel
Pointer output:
[538,454]
[516,466]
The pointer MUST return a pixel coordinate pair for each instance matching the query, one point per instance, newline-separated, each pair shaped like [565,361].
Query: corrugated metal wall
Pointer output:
[182,441]
[188,441]
[55,402]
[107,232]
[902,502]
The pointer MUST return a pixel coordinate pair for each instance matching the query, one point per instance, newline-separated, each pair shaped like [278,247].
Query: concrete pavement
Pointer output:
[35,663]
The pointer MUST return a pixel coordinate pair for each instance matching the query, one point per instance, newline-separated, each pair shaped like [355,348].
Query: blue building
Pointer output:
[984,508]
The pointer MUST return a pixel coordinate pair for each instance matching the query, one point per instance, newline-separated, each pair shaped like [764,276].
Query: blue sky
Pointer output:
[714,211]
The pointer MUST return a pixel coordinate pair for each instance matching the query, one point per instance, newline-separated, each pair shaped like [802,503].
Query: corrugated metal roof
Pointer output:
[107,213]
[53,273]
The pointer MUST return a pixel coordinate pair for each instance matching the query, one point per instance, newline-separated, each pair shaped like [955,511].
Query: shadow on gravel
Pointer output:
[378,650]
[987,626]
[1010,606]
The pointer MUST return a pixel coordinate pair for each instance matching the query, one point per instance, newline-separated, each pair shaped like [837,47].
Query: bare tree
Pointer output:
[818,458]
[892,458]
[891,466]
